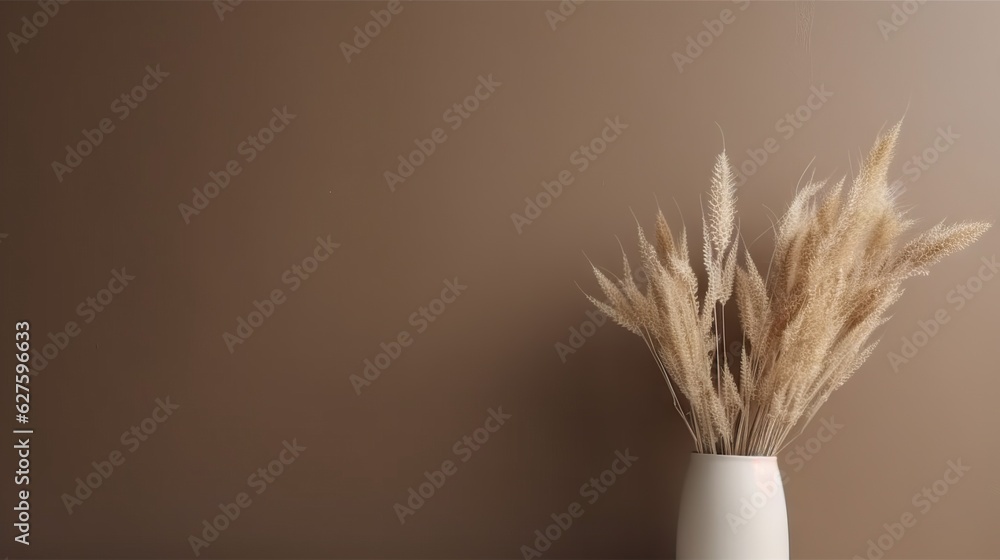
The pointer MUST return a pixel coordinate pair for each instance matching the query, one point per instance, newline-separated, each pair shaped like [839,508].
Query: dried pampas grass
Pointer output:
[807,322]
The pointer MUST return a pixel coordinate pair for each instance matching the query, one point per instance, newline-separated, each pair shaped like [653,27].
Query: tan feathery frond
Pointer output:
[664,238]
[935,244]
[747,380]
[618,307]
[795,216]
[682,246]
[732,402]
[721,204]
[621,318]
[728,275]
[875,169]
[751,299]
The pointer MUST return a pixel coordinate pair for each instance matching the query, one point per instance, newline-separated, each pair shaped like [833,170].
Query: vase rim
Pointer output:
[768,458]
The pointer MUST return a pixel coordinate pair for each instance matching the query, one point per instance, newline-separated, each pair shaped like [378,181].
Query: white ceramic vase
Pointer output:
[732,507]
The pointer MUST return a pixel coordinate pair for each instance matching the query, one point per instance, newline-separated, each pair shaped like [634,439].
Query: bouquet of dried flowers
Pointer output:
[807,320]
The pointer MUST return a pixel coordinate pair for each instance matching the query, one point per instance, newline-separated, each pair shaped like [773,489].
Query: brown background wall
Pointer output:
[496,344]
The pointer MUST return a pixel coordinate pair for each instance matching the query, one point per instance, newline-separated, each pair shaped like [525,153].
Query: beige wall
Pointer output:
[495,344]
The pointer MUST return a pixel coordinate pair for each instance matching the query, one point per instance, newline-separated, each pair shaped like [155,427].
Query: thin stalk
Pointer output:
[647,338]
